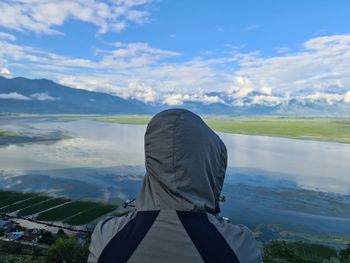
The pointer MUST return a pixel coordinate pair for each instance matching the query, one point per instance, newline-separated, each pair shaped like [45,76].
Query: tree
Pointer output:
[61,234]
[67,250]
[344,255]
[47,238]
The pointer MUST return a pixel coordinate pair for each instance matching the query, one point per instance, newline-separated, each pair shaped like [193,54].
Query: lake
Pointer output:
[279,187]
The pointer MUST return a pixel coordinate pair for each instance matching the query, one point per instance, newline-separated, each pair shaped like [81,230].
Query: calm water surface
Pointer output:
[308,164]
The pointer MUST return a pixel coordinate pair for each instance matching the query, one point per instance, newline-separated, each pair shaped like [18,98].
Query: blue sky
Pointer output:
[171,51]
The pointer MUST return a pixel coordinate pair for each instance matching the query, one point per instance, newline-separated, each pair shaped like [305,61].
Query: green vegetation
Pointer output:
[89,215]
[42,206]
[46,238]
[300,252]
[8,134]
[67,250]
[273,231]
[68,210]
[70,249]
[124,119]
[53,209]
[13,252]
[121,119]
[64,249]
[9,198]
[344,255]
[23,204]
[318,129]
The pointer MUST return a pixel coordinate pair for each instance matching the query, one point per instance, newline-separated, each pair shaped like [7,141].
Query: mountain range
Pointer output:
[42,96]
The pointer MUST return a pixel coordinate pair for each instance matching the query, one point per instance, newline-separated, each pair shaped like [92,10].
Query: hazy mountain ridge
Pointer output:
[45,96]
[22,95]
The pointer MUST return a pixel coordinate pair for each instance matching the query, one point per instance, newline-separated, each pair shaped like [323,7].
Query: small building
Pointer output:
[6,226]
[31,235]
[15,235]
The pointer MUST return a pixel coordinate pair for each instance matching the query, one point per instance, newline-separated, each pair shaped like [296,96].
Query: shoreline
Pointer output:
[318,129]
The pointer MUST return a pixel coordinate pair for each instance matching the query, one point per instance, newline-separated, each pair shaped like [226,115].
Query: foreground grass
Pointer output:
[68,249]
[316,129]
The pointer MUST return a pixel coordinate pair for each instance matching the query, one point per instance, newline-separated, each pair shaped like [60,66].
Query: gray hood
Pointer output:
[185,164]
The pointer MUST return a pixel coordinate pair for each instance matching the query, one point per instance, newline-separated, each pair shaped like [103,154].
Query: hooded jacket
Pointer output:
[176,216]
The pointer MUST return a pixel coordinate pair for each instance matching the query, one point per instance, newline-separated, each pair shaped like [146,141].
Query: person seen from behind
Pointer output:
[176,216]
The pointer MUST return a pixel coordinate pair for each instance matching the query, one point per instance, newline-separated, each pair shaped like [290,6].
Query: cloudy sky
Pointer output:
[170,51]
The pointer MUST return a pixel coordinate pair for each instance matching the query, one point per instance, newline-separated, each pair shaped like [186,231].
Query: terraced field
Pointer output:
[23,204]
[51,209]
[42,206]
[66,210]
[89,215]
[9,198]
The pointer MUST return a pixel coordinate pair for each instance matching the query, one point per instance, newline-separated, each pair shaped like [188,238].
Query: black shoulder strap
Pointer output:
[125,242]
[210,244]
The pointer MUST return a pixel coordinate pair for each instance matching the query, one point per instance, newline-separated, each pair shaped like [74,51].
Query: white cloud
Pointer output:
[347,97]
[137,91]
[283,50]
[323,62]
[266,100]
[251,27]
[137,70]
[172,100]
[43,96]
[178,99]
[5,72]
[44,16]
[328,98]
[7,36]
[241,88]
[13,96]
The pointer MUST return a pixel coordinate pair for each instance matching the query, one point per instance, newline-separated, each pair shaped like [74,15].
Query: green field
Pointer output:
[42,206]
[308,128]
[64,211]
[122,119]
[317,129]
[8,134]
[53,209]
[23,204]
[71,209]
[89,215]
[9,198]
